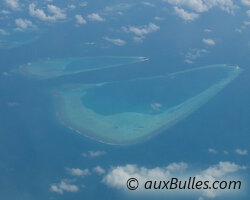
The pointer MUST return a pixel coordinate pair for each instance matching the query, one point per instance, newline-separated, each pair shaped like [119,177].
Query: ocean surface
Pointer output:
[38,150]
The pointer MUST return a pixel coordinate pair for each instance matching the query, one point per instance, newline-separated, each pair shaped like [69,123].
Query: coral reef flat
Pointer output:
[52,68]
[78,108]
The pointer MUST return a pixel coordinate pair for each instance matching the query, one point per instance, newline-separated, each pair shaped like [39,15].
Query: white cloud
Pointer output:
[222,169]
[194,54]
[55,13]
[63,186]
[12,104]
[71,6]
[117,42]
[90,43]
[5,12]
[138,40]
[95,17]
[141,31]
[177,167]
[3,32]
[118,7]
[187,16]
[56,189]
[158,18]
[80,19]
[156,106]
[117,177]
[83,4]
[196,5]
[99,170]
[5,74]
[212,151]
[225,152]
[208,41]
[13,4]
[245,2]
[189,61]
[24,23]
[58,13]
[247,23]
[241,152]
[94,154]
[207,30]
[204,5]
[79,172]
[248,13]
[239,30]
[145,3]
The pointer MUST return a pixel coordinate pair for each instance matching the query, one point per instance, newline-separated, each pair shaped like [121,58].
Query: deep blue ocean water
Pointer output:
[36,149]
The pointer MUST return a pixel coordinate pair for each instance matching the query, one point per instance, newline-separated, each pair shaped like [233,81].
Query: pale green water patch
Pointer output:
[18,38]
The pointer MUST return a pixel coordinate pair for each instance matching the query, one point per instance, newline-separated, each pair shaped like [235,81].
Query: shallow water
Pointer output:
[129,111]
[52,68]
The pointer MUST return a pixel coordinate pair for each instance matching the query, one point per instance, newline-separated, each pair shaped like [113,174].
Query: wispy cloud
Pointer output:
[241,152]
[116,41]
[247,23]
[71,6]
[5,74]
[119,7]
[225,152]
[94,154]
[156,106]
[212,151]
[12,104]
[5,12]
[146,3]
[83,4]
[194,54]
[248,12]
[3,32]
[208,30]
